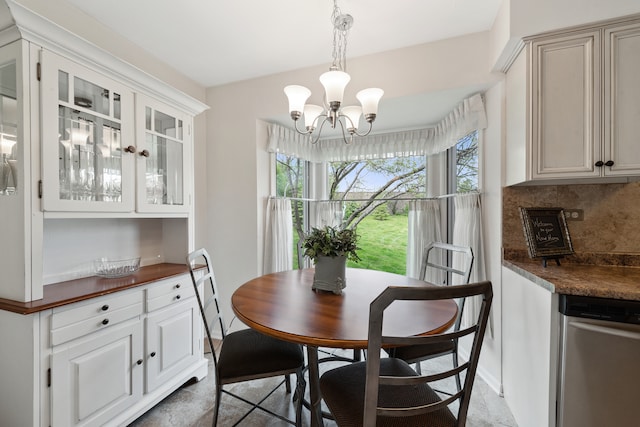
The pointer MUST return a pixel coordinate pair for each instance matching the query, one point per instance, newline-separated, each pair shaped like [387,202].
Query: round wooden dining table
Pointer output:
[284,306]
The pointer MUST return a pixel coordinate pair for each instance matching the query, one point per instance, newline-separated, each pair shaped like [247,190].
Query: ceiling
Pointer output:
[217,42]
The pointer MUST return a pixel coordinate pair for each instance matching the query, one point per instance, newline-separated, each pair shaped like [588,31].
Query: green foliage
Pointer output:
[383,244]
[381,213]
[350,208]
[332,242]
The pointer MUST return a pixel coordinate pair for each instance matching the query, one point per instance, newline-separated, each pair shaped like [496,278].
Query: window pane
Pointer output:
[467,163]
[291,174]
[382,224]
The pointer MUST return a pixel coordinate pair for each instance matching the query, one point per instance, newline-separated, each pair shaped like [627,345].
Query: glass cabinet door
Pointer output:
[9,147]
[162,182]
[92,139]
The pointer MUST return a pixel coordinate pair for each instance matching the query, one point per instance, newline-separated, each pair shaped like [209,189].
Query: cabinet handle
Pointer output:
[153,354]
[105,322]
[599,163]
[144,153]
[177,296]
[609,163]
[105,307]
[130,149]
[139,362]
[178,286]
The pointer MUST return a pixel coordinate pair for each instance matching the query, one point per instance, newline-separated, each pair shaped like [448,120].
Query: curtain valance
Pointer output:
[468,116]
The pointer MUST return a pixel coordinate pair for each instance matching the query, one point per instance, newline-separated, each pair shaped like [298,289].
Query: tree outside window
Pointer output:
[372,191]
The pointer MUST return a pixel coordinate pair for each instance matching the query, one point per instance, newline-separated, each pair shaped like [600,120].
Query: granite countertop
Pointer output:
[579,279]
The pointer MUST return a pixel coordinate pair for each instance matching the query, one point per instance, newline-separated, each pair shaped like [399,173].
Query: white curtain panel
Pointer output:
[424,228]
[467,231]
[329,213]
[279,236]
[468,116]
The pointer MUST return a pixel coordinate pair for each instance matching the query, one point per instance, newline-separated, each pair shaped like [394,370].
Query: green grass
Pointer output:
[383,244]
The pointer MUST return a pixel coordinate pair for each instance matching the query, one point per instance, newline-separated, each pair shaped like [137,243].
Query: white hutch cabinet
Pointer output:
[568,115]
[97,161]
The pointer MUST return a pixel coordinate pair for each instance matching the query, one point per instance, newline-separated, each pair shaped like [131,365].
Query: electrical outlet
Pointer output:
[574,214]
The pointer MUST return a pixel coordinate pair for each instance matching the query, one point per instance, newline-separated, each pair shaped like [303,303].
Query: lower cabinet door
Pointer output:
[172,342]
[96,377]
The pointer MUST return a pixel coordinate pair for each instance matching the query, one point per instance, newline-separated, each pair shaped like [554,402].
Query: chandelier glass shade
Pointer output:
[334,83]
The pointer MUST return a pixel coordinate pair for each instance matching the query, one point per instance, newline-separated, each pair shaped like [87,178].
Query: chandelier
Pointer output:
[334,82]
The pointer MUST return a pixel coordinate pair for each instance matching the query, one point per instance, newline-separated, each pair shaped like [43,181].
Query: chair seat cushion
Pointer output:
[343,391]
[414,353]
[251,353]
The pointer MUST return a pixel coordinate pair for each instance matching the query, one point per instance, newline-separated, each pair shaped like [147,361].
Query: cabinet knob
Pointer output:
[178,286]
[130,149]
[105,307]
[177,296]
[144,153]
[105,322]
[139,362]
[609,163]
[599,163]
[153,354]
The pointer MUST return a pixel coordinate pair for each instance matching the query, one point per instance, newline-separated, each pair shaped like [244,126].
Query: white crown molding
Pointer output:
[49,35]
[509,55]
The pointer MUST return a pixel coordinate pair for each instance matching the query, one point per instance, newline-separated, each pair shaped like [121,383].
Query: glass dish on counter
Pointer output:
[114,268]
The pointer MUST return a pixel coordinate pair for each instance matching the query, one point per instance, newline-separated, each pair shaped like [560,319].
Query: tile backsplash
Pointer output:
[611,224]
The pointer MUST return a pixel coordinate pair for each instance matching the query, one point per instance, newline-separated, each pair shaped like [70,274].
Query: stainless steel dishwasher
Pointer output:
[599,376]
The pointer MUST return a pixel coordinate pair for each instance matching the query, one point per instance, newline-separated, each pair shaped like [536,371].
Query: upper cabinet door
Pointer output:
[164,136]
[88,146]
[622,95]
[566,106]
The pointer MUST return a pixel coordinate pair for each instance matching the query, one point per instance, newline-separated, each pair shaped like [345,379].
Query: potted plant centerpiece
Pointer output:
[330,248]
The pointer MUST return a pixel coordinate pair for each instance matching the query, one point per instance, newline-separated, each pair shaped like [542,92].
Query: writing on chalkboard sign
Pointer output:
[546,232]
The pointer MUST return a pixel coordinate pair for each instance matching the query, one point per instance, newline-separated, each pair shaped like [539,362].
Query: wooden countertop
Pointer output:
[59,294]
[580,279]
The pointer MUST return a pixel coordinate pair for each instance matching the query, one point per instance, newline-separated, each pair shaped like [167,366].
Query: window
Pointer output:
[291,181]
[373,193]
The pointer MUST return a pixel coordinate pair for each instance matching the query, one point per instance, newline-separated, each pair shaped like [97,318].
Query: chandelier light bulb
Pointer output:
[297,95]
[352,113]
[369,99]
[334,82]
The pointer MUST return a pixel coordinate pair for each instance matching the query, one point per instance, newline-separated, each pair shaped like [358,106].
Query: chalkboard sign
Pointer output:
[546,233]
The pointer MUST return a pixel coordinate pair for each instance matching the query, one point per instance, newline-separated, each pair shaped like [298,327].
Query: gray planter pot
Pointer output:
[330,274]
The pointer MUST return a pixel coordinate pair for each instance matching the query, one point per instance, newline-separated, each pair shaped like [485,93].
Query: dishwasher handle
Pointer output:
[606,330]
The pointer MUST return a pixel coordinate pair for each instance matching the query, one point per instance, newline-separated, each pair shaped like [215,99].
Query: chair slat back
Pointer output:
[204,276]
[437,256]
[377,340]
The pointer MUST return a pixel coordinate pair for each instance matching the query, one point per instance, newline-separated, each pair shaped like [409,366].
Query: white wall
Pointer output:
[237,193]
[492,147]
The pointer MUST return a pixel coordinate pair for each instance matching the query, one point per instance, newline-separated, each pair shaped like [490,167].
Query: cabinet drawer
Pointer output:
[168,292]
[95,323]
[102,306]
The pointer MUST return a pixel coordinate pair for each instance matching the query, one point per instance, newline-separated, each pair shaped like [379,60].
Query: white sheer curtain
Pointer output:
[328,213]
[468,116]
[424,228]
[279,236]
[467,231]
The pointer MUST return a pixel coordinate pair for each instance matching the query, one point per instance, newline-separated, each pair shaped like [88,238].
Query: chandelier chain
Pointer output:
[341,25]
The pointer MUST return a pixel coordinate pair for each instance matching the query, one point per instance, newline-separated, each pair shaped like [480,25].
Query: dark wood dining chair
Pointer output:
[387,392]
[247,354]
[435,268]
